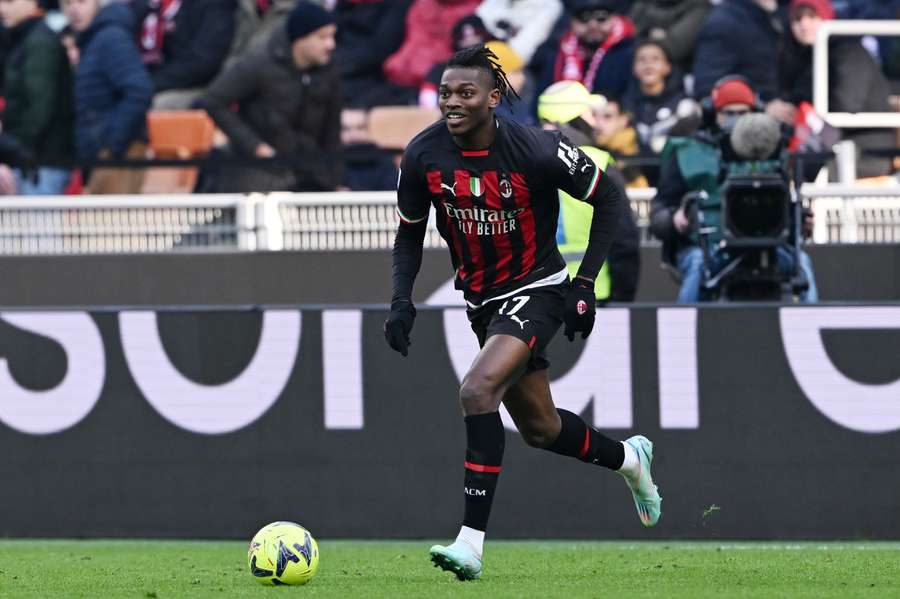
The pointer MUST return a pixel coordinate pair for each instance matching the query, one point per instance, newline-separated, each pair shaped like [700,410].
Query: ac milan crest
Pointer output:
[505,188]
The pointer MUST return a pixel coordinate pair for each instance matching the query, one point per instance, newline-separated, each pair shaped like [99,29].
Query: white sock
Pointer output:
[473,537]
[632,464]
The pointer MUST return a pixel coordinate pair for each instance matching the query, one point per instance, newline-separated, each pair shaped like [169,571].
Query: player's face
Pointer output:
[466,99]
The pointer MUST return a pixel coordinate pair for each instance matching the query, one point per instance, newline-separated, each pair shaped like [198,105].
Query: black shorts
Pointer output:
[534,316]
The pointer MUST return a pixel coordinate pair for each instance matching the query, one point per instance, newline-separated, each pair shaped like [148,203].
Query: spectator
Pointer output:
[566,106]
[427,41]
[523,24]
[289,106]
[614,133]
[742,37]
[866,9]
[184,43]
[7,181]
[4,50]
[369,168]
[38,89]
[656,98]
[569,103]
[855,82]
[69,40]
[694,164]
[672,23]
[12,152]
[514,67]
[888,46]
[254,22]
[597,50]
[112,93]
[369,32]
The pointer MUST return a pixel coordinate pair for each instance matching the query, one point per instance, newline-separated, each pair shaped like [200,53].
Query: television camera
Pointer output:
[761,216]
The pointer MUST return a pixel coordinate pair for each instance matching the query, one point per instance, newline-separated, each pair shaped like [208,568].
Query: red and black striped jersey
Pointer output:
[497,208]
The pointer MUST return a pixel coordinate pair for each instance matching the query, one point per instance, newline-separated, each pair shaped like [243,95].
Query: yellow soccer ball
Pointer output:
[283,553]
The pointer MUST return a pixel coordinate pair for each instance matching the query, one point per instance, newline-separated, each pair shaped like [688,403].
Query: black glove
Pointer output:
[580,308]
[399,324]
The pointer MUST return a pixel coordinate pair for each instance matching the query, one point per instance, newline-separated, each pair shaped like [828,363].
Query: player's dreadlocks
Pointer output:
[480,56]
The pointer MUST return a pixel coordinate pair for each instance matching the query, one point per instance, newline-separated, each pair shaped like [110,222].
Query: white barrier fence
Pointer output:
[327,221]
[826,31]
[125,224]
[850,214]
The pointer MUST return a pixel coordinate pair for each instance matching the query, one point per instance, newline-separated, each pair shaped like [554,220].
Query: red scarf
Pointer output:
[570,60]
[159,21]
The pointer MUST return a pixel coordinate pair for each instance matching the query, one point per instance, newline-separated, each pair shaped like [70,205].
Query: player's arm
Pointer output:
[575,173]
[606,198]
[412,208]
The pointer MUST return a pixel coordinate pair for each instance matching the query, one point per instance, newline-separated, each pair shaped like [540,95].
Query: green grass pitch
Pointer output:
[365,569]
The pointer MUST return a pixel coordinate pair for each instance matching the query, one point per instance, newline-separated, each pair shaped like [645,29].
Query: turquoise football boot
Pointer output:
[459,557]
[646,495]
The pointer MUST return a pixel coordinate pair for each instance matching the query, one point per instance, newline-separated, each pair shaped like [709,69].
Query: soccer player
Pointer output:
[493,184]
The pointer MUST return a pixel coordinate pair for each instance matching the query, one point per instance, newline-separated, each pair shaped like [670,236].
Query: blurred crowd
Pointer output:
[299,79]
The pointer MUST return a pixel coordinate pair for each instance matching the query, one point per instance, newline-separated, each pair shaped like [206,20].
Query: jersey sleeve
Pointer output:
[567,168]
[413,199]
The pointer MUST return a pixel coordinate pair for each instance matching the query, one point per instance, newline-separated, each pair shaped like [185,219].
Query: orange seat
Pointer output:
[180,134]
[392,127]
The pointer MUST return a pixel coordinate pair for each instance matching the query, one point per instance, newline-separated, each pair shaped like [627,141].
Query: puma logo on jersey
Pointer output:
[521,322]
[449,188]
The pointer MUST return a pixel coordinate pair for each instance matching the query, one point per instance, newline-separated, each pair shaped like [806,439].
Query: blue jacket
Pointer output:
[867,9]
[112,88]
[738,38]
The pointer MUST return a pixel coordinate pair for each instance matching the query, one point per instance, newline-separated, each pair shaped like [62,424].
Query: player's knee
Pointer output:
[478,394]
[539,434]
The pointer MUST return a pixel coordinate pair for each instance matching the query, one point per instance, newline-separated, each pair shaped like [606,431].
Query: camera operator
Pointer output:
[687,210]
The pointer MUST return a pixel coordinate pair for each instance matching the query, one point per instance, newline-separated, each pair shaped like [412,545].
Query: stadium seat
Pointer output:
[182,134]
[392,127]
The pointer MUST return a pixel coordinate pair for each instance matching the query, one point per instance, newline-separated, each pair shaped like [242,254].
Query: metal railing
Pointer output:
[338,221]
[333,221]
[852,214]
[125,224]
[329,221]
[640,204]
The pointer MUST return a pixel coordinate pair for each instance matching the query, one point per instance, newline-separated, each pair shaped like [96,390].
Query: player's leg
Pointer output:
[496,368]
[545,426]
[542,425]
[501,361]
